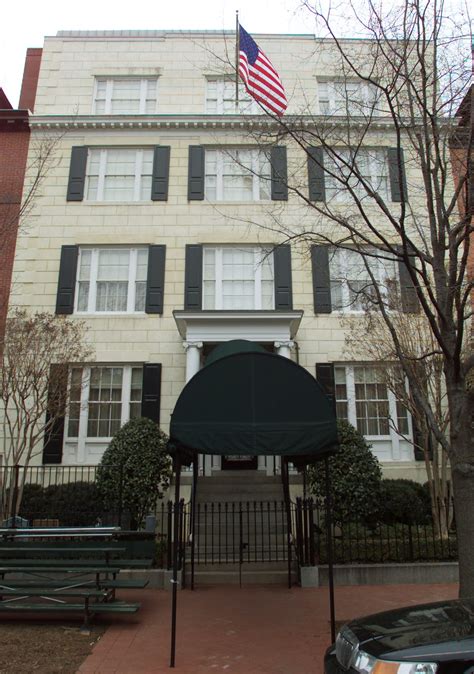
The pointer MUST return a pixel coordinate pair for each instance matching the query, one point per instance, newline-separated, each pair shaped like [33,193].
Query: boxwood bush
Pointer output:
[404,501]
[135,469]
[355,478]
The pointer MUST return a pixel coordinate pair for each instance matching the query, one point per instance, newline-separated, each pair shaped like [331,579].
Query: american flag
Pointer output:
[260,77]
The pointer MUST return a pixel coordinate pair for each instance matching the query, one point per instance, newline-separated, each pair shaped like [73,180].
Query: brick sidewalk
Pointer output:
[256,630]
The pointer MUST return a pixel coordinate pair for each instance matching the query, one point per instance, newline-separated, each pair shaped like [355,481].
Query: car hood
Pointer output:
[437,631]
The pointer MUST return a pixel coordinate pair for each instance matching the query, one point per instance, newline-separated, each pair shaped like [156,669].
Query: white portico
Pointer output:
[276,330]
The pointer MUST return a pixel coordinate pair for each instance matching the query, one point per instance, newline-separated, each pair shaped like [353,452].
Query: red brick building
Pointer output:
[14,141]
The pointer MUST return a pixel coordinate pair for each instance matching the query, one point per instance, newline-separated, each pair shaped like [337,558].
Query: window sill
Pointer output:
[113,314]
[116,203]
[223,202]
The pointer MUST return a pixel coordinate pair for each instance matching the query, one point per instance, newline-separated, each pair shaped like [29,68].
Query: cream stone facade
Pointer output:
[83,76]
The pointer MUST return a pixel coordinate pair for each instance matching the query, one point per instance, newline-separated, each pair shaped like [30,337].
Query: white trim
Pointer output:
[221,326]
[94,270]
[109,92]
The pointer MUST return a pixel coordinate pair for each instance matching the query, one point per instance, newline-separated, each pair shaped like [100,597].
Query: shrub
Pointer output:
[74,504]
[135,469]
[77,504]
[404,501]
[34,503]
[355,477]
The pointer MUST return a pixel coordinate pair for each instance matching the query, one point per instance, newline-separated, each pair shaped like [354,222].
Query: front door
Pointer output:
[235,462]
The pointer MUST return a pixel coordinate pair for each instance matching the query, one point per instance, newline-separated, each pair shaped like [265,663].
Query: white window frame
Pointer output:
[103,172]
[259,253]
[255,172]
[84,402]
[375,157]
[246,106]
[366,104]
[393,435]
[109,95]
[339,261]
[94,268]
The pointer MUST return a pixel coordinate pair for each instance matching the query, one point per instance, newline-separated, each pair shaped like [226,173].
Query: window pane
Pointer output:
[136,393]
[372,408]
[105,401]
[74,411]
[244,279]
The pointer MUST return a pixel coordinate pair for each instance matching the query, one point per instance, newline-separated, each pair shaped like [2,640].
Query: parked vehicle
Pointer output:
[422,639]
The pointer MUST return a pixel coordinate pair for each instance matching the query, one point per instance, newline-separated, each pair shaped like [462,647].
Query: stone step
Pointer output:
[239,475]
[251,574]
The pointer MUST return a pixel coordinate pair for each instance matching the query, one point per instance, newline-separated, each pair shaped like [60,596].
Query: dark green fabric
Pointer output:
[231,348]
[254,403]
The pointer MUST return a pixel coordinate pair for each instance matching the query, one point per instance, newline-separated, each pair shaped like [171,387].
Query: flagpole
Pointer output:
[237,50]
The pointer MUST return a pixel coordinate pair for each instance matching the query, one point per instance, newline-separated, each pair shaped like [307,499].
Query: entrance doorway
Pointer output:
[236,462]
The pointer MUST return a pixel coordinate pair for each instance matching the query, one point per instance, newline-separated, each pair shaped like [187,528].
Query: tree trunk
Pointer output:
[463,483]
[462,473]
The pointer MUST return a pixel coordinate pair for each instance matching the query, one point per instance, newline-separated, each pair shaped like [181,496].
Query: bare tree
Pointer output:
[381,186]
[37,352]
[422,356]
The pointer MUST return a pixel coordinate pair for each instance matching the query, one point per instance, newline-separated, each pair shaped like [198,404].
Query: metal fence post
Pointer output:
[14,501]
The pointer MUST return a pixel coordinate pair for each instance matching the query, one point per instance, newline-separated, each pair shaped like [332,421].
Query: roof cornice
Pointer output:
[213,122]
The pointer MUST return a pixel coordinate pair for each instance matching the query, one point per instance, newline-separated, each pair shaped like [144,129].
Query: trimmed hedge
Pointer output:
[405,502]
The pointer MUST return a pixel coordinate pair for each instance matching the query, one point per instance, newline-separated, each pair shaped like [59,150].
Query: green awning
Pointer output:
[232,347]
[254,403]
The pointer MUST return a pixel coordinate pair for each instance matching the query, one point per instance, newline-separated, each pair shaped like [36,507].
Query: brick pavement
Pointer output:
[255,630]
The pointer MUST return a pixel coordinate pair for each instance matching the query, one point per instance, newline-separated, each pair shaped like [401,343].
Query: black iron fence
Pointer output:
[224,533]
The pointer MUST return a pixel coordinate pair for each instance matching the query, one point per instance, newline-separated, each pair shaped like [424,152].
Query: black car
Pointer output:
[420,639]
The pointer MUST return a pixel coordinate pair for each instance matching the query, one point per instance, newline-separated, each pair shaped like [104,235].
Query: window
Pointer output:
[363,398]
[102,399]
[234,174]
[220,99]
[122,174]
[125,96]
[111,280]
[346,97]
[369,164]
[351,283]
[238,278]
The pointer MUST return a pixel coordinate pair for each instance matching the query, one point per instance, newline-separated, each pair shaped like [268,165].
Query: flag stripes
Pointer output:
[259,76]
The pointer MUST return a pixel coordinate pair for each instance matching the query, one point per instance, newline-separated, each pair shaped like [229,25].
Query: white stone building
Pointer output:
[151,231]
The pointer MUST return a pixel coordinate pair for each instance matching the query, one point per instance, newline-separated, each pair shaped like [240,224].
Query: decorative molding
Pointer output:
[213,122]
[221,326]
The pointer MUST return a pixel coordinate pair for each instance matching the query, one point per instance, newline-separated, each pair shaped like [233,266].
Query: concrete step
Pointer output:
[242,475]
[252,573]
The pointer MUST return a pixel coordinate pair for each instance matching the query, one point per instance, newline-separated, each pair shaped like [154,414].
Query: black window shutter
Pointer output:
[193,277]
[53,439]
[279,173]
[316,185]
[409,298]
[196,173]
[155,282]
[161,172]
[67,280]
[283,283]
[151,391]
[325,377]
[77,173]
[399,192]
[321,279]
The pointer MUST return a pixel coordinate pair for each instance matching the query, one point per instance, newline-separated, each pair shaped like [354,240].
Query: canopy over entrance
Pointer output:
[254,402]
[248,401]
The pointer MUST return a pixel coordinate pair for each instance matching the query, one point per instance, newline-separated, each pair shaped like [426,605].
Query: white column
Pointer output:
[284,348]
[193,358]
[193,365]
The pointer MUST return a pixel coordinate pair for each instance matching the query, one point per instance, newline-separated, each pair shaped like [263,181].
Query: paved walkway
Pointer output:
[255,630]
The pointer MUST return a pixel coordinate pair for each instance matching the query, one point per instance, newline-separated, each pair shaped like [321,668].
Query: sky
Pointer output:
[24,24]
